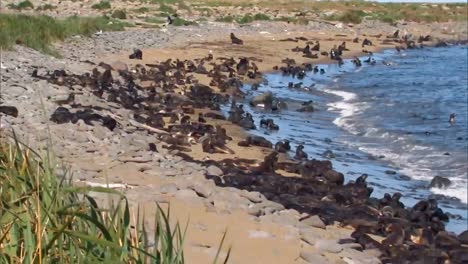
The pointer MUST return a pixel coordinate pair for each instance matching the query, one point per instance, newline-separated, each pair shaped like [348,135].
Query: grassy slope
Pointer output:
[39,32]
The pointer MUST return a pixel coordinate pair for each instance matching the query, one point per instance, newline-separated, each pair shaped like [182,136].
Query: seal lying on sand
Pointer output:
[9,110]
[136,55]
[235,40]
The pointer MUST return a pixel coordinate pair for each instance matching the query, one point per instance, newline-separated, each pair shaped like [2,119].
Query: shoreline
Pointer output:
[149,185]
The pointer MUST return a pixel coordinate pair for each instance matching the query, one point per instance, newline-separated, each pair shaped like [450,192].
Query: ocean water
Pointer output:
[389,120]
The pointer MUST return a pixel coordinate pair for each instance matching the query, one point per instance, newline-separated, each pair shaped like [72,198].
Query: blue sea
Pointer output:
[389,120]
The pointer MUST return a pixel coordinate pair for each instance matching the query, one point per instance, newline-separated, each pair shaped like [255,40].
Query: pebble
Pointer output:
[313,258]
[313,221]
[328,245]
[169,188]
[213,170]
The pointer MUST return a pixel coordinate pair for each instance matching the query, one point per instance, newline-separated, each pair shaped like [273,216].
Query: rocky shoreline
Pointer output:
[311,213]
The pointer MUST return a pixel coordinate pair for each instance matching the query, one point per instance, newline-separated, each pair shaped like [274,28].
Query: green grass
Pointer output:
[225,19]
[350,16]
[141,10]
[39,32]
[160,2]
[249,18]
[184,6]
[120,14]
[260,16]
[102,5]
[46,7]
[45,218]
[166,9]
[155,20]
[182,22]
[22,5]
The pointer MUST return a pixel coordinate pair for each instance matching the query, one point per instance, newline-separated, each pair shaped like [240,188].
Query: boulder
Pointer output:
[313,221]
[119,66]
[440,182]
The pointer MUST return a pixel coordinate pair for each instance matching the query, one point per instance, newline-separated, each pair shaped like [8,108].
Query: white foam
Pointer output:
[345,108]
[455,191]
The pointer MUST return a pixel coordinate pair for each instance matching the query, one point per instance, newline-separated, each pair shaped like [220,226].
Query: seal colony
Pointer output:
[168,100]
[178,102]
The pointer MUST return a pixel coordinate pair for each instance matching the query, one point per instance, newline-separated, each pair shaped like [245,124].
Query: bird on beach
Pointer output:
[452,119]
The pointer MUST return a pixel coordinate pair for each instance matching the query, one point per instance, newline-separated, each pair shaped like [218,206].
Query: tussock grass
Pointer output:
[350,16]
[22,5]
[155,20]
[178,21]
[248,18]
[166,9]
[120,14]
[46,7]
[225,19]
[141,10]
[102,5]
[39,32]
[46,219]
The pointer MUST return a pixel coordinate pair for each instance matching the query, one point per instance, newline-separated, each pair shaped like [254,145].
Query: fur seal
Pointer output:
[235,40]
[136,55]
[300,154]
[9,110]
[282,146]
[452,119]
[366,42]
[269,124]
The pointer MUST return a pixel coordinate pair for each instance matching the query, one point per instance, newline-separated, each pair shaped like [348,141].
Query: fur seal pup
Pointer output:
[136,55]
[9,110]
[300,154]
[396,236]
[316,47]
[269,163]
[366,42]
[452,119]
[235,40]
[152,147]
[282,146]
[269,124]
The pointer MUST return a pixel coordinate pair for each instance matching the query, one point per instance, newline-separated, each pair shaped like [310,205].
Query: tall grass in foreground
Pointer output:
[45,219]
[39,32]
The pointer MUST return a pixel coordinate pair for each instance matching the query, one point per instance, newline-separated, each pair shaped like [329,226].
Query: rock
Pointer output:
[463,237]
[225,200]
[186,194]
[309,236]
[440,182]
[202,190]
[279,218]
[308,108]
[119,66]
[328,245]
[169,188]
[265,98]
[212,170]
[329,154]
[313,221]
[314,258]
[254,197]
[390,172]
